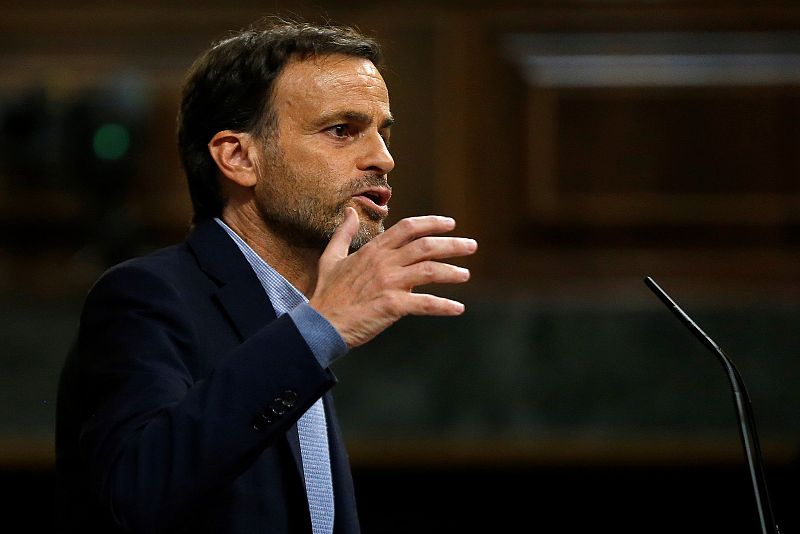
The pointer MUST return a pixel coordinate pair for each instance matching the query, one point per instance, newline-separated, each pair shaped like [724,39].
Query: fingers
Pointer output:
[412,228]
[437,248]
[430,272]
[412,239]
[363,293]
[423,304]
[339,245]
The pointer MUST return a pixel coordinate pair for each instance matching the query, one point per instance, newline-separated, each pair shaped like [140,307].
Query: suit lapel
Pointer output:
[293,437]
[247,307]
[240,293]
[346,518]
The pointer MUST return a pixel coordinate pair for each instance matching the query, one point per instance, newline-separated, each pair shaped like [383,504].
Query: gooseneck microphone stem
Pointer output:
[744,411]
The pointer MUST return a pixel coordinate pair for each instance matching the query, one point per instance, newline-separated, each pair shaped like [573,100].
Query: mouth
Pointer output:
[377,195]
[375,198]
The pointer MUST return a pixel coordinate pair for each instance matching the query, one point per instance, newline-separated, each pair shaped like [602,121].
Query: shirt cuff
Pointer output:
[322,338]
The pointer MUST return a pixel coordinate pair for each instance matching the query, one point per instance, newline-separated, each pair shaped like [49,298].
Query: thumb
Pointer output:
[339,245]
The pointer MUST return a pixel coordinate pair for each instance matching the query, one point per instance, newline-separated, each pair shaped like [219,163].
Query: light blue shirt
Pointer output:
[322,338]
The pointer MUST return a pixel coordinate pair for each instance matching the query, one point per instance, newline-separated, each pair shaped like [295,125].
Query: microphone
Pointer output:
[744,411]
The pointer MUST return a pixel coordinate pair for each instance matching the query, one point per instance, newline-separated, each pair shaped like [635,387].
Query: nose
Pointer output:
[375,157]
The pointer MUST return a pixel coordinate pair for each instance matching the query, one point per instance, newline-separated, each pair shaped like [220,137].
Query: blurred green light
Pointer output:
[111,141]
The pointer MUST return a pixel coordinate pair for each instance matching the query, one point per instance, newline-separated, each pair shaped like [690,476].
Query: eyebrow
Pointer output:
[355,116]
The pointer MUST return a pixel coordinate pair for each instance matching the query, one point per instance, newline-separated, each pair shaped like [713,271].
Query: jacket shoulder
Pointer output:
[173,266]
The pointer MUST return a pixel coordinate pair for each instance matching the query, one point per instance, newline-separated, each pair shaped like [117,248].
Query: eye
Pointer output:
[340,130]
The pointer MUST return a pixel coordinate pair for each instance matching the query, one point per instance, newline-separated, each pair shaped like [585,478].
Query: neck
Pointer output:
[298,265]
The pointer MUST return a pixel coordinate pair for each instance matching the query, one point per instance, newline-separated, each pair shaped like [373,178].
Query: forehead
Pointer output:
[324,84]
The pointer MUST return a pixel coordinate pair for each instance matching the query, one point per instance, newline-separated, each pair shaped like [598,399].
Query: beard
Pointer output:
[305,212]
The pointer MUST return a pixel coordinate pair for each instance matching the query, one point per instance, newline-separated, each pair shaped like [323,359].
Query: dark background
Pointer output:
[585,144]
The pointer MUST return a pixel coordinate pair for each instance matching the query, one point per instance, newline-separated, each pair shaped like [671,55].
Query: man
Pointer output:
[196,395]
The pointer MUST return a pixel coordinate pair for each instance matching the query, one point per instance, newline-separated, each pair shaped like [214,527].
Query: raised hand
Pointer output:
[363,293]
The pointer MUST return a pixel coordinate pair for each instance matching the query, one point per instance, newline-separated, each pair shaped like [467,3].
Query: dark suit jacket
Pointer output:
[177,405]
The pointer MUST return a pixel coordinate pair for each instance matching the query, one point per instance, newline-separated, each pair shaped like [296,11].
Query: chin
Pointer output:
[367,231]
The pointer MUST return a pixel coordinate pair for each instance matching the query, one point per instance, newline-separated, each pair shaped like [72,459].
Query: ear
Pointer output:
[235,153]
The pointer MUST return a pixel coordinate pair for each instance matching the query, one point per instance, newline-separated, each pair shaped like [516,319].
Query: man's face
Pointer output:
[327,151]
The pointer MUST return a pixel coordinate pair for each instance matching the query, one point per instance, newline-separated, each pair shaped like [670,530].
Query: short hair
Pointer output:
[230,87]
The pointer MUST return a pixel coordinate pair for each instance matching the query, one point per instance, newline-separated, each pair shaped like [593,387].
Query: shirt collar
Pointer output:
[281,293]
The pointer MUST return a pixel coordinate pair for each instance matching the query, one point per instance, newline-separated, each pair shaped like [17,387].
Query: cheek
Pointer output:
[325,170]
[325,175]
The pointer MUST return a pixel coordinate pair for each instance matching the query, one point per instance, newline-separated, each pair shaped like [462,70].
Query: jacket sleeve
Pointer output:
[155,440]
